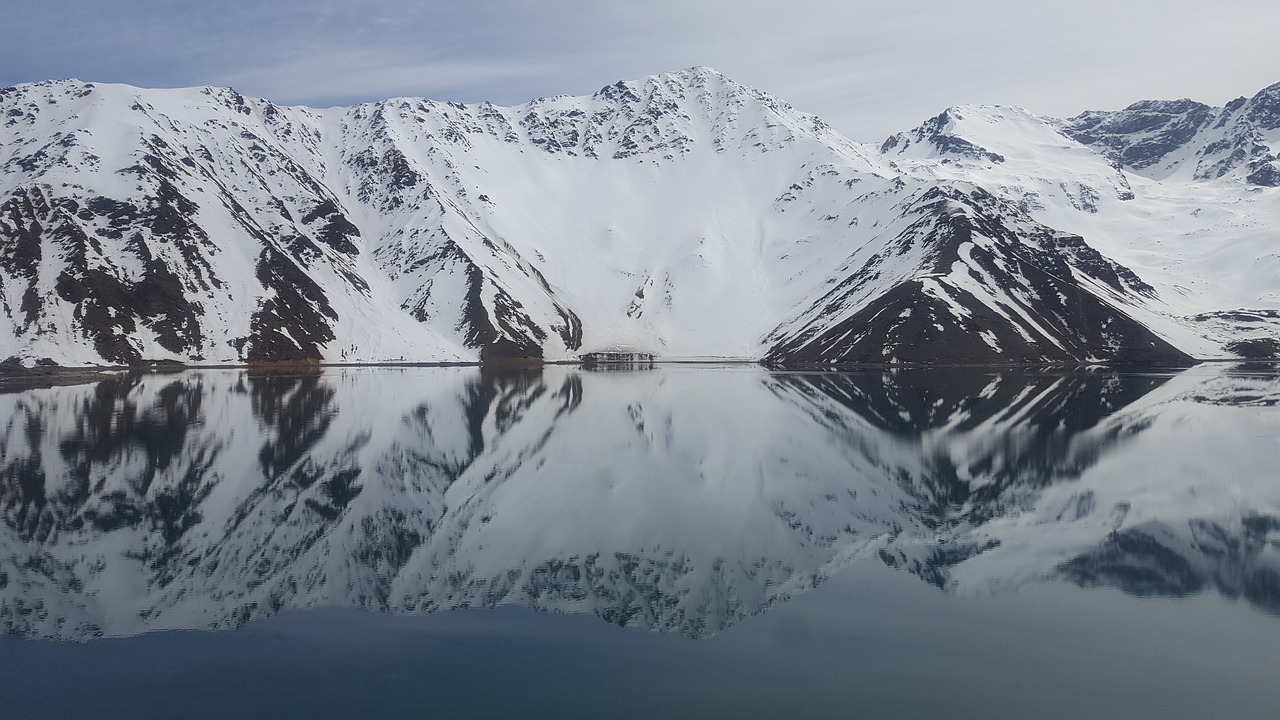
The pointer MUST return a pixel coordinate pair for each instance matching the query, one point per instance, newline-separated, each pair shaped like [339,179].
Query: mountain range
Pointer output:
[683,215]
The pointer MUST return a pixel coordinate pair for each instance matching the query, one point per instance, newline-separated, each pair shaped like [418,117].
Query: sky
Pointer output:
[868,68]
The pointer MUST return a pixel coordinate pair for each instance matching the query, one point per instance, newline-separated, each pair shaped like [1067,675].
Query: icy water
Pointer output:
[684,541]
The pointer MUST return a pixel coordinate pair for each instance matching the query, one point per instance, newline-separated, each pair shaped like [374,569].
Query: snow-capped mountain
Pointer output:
[681,500]
[683,215]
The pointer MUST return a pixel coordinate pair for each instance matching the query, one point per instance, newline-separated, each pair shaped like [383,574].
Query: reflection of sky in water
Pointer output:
[869,643]
[684,500]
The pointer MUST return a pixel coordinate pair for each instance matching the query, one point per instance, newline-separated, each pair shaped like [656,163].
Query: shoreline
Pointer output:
[18,377]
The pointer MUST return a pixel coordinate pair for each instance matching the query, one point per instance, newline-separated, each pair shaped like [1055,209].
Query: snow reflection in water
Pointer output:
[681,499]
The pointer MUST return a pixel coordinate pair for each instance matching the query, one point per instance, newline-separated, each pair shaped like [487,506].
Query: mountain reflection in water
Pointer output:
[681,499]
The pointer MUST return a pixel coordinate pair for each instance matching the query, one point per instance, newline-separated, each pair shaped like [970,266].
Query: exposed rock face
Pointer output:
[1144,133]
[684,214]
[1160,137]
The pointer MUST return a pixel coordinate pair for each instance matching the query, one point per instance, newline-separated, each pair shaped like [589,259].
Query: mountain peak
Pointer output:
[697,71]
[1264,108]
[690,78]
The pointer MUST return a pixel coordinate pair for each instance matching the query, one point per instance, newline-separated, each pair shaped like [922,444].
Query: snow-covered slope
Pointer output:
[682,215]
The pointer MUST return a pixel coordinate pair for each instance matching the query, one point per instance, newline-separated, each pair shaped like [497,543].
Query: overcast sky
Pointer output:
[869,68]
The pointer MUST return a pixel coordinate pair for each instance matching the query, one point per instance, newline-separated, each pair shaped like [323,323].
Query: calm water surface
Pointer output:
[683,541]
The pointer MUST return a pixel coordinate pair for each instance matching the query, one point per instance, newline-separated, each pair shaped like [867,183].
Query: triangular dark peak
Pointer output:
[992,286]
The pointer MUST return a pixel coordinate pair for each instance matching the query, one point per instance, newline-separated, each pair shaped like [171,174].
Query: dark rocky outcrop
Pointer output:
[1036,312]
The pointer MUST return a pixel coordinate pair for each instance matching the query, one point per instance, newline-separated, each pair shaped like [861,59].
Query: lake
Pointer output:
[680,541]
